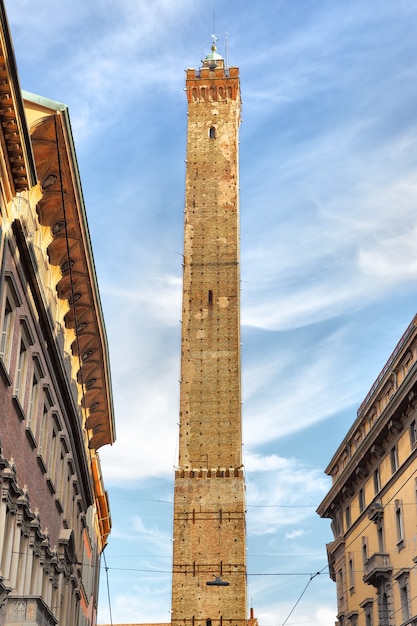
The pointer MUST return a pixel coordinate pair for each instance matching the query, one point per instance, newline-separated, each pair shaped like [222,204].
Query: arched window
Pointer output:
[212,133]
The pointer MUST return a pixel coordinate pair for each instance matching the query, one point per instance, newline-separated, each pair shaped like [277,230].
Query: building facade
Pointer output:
[373,500]
[55,391]
[209,559]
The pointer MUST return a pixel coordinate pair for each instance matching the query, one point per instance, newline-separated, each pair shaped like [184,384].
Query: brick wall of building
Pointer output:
[209,507]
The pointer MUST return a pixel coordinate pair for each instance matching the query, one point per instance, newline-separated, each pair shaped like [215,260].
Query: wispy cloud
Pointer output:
[281,492]
[295,534]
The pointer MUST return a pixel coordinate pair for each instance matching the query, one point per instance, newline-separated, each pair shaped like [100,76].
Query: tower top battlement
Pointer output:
[212,84]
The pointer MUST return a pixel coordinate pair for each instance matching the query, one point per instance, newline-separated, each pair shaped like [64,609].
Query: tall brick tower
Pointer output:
[209,564]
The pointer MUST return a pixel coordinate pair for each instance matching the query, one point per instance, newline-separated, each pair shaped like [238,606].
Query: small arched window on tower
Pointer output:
[212,132]
[210,297]
[208,622]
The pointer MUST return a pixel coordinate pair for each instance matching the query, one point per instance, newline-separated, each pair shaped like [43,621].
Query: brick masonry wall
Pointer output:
[209,506]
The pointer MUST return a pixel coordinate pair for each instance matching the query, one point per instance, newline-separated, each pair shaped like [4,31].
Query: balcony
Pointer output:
[377,568]
[29,610]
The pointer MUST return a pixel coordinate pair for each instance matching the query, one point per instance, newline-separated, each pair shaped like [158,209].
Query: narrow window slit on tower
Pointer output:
[210,297]
[212,132]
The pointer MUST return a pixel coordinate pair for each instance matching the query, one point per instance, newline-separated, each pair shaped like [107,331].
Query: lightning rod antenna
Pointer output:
[227,51]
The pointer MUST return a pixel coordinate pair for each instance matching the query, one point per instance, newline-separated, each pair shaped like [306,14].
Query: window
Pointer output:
[53,458]
[347,517]
[353,618]
[388,394]
[61,472]
[44,439]
[408,363]
[351,573]
[33,410]
[7,333]
[413,433]
[394,459]
[380,534]
[364,549]
[212,133]
[9,305]
[340,584]
[404,595]
[368,615]
[415,489]
[361,497]
[22,363]
[377,481]
[399,524]
[367,605]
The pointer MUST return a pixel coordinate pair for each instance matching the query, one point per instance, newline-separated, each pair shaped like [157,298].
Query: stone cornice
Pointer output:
[375,443]
[62,209]
[17,157]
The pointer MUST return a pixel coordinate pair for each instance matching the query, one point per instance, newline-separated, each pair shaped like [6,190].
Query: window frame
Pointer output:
[413,433]
[361,500]
[21,378]
[11,299]
[377,480]
[394,459]
[399,524]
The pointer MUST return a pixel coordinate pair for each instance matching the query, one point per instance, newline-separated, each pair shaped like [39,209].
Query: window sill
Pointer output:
[31,437]
[51,485]
[19,407]
[41,463]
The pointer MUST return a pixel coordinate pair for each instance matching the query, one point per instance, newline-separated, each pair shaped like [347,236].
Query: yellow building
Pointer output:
[56,406]
[373,500]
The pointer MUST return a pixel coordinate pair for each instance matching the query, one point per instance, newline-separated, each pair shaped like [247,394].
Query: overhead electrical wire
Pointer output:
[108,587]
[312,577]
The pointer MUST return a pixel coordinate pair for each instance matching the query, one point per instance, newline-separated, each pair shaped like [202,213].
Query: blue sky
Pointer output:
[329,256]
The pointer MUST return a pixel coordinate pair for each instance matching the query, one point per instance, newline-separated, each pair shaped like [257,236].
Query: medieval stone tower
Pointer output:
[209,564]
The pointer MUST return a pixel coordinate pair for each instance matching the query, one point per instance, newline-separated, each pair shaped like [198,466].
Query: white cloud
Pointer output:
[144,603]
[295,534]
[280,493]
